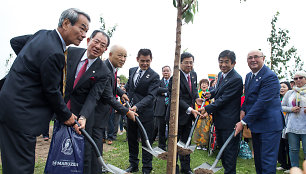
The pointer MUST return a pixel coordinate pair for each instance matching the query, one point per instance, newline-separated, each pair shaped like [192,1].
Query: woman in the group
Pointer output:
[283,153]
[294,103]
[201,132]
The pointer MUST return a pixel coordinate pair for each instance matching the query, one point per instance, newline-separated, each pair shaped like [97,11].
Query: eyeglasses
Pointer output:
[255,57]
[187,63]
[97,42]
[296,78]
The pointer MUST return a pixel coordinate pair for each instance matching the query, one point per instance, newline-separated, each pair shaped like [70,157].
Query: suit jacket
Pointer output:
[226,107]
[104,108]
[262,103]
[31,92]
[143,95]
[187,98]
[90,88]
[160,106]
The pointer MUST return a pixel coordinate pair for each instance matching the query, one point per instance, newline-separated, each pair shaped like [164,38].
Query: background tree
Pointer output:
[185,11]
[123,79]
[283,59]
[110,30]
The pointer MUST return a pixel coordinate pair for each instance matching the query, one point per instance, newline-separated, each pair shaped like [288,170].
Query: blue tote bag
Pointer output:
[66,153]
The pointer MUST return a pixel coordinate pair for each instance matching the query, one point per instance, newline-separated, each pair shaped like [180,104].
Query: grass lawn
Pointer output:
[119,157]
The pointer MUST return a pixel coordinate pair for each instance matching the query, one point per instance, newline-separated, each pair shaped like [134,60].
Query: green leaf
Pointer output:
[174,3]
[188,16]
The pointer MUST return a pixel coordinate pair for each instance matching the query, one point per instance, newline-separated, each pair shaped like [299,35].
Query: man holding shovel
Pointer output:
[188,96]
[226,108]
[141,88]
[262,112]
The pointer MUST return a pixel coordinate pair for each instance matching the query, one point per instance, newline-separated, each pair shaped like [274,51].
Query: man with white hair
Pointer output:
[262,113]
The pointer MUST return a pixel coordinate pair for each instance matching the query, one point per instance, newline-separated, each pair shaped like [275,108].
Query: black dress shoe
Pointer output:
[132,169]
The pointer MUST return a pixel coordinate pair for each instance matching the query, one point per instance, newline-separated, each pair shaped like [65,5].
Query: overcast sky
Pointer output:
[219,25]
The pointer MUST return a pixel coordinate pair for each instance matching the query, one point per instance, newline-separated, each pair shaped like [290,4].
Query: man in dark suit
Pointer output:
[117,58]
[188,96]
[83,93]
[226,108]
[141,88]
[32,90]
[262,113]
[160,107]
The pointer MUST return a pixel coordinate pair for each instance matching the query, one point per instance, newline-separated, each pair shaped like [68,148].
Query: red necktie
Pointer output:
[189,82]
[115,84]
[80,74]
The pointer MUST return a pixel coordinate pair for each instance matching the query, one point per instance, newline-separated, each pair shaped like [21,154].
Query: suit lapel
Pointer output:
[225,80]
[111,70]
[73,61]
[257,78]
[184,81]
[132,75]
[146,75]
[88,73]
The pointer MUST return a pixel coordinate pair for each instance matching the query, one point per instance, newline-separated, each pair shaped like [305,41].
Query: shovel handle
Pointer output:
[193,126]
[222,149]
[90,140]
[142,129]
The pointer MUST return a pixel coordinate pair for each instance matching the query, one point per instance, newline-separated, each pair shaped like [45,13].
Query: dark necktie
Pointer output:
[253,76]
[138,77]
[189,82]
[221,78]
[80,74]
[251,80]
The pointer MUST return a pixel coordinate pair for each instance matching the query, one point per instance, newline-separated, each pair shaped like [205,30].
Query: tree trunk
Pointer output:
[173,122]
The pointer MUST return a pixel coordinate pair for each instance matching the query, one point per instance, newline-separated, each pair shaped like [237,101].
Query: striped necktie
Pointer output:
[138,77]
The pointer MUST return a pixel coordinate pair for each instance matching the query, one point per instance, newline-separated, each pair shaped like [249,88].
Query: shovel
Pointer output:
[212,168]
[186,149]
[110,168]
[157,152]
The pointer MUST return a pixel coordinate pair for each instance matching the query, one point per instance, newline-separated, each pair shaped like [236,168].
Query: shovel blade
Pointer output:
[208,167]
[158,150]
[150,151]
[116,170]
[181,144]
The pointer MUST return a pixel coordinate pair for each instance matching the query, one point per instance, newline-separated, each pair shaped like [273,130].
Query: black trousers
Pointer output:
[88,149]
[17,151]
[97,135]
[133,131]
[283,154]
[183,133]
[230,153]
[160,130]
